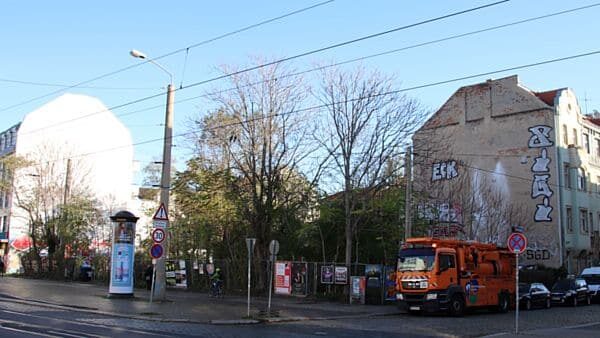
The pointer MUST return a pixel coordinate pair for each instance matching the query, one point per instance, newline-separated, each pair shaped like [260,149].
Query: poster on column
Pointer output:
[283,271]
[121,277]
[299,284]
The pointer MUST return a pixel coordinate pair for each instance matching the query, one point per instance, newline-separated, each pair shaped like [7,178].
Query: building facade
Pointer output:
[497,155]
[73,139]
[8,140]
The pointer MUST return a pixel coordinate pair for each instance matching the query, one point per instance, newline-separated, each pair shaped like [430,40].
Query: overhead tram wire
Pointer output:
[314,51]
[44,84]
[138,64]
[362,58]
[431,84]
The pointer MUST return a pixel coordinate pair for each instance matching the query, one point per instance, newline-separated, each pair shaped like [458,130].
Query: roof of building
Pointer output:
[547,97]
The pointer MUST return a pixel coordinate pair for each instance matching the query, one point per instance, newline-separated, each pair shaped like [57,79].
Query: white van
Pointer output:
[592,277]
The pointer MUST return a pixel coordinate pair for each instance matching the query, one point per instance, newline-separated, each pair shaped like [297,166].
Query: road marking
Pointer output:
[86,324]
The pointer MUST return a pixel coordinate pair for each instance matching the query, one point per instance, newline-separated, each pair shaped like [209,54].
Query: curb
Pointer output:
[234,321]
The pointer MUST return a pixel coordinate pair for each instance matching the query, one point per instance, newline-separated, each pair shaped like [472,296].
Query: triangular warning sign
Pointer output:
[161,213]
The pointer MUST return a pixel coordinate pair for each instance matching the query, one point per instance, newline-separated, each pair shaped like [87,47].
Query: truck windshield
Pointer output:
[420,259]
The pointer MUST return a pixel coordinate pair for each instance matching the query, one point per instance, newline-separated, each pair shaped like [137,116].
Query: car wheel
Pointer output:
[503,303]
[574,300]
[548,303]
[457,306]
[528,305]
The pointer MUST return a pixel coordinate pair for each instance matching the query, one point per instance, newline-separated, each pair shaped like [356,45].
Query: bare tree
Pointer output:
[367,124]
[260,136]
[42,186]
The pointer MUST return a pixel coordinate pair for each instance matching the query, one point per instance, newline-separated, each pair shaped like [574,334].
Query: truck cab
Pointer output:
[423,270]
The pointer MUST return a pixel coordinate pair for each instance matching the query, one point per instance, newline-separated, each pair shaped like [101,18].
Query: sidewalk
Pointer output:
[180,305]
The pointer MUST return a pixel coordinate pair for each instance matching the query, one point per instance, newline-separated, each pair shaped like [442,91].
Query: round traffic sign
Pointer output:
[158,235]
[517,242]
[156,251]
[274,247]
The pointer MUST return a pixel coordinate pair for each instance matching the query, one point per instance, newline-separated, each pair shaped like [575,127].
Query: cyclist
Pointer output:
[216,283]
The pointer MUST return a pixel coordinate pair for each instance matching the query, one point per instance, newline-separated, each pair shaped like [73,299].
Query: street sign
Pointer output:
[158,223]
[158,235]
[517,242]
[156,251]
[161,213]
[250,245]
[274,247]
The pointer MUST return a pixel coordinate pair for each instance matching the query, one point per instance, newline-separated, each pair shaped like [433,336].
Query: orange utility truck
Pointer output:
[450,275]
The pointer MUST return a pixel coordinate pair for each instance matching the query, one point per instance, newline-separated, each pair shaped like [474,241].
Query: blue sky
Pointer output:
[67,42]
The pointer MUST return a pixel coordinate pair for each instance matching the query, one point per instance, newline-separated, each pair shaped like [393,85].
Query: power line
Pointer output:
[44,84]
[288,59]
[452,37]
[322,49]
[169,54]
[431,84]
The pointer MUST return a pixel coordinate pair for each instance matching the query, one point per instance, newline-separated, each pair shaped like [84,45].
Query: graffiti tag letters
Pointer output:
[444,171]
[540,138]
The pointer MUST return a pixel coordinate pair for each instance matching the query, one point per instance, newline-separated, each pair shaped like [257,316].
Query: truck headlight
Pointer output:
[423,284]
[431,296]
[399,296]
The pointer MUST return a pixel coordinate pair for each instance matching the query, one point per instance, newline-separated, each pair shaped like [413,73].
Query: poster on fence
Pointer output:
[390,283]
[299,283]
[282,278]
[341,275]
[327,274]
[357,293]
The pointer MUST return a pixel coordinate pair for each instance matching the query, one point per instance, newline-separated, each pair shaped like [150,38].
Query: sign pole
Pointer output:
[153,279]
[250,246]
[517,292]
[271,265]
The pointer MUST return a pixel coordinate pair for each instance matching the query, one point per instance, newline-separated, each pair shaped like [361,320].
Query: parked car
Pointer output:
[573,291]
[534,294]
[592,278]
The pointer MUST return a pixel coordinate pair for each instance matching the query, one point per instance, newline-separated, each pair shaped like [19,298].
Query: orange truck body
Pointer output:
[436,275]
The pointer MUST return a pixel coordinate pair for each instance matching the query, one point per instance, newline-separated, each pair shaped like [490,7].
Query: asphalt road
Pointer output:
[36,319]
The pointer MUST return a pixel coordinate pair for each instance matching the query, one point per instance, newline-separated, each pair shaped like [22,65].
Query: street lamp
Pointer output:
[165,180]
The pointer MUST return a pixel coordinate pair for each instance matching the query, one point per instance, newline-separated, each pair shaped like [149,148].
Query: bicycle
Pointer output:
[216,289]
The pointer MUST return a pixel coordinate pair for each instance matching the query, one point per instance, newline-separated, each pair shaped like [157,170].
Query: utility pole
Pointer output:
[408,203]
[67,191]
[160,283]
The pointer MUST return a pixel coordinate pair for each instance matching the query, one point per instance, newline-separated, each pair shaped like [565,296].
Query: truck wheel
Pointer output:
[503,303]
[457,306]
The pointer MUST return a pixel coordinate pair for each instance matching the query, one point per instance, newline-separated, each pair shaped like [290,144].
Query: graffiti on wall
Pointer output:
[444,171]
[540,188]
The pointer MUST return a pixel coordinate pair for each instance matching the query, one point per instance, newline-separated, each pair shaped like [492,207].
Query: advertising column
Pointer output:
[123,249]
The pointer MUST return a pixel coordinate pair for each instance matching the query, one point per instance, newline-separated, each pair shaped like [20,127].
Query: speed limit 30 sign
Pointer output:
[158,235]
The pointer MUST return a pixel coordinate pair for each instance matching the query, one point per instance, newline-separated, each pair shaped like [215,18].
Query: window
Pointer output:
[586,143]
[5,223]
[581,180]
[591,220]
[567,176]
[565,135]
[569,220]
[583,221]
[446,261]
[598,147]
[575,137]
